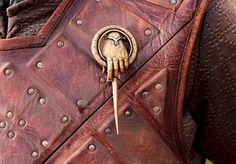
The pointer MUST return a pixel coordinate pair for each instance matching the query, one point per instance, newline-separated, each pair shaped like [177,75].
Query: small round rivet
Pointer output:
[102,80]
[158,86]
[22,122]
[10,114]
[108,130]
[11,134]
[145,94]
[60,43]
[91,147]
[8,71]
[39,65]
[31,91]
[79,22]
[156,109]
[128,113]
[148,32]
[45,143]
[64,119]
[173,2]
[34,154]
[80,103]
[42,101]
[2,124]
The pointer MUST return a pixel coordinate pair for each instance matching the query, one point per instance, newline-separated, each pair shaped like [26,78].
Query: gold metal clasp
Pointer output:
[114,48]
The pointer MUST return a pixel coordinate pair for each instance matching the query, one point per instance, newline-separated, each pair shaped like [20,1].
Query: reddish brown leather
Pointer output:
[212,77]
[70,73]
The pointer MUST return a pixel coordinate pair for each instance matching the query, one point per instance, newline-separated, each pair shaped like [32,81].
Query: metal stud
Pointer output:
[11,134]
[8,71]
[42,101]
[31,91]
[156,109]
[45,143]
[22,122]
[60,43]
[10,114]
[79,22]
[173,2]
[80,103]
[158,86]
[39,65]
[64,119]
[108,130]
[91,147]
[145,94]
[2,124]
[34,154]
[148,32]
[128,113]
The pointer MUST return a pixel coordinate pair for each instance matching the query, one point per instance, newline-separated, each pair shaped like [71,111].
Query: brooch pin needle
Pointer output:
[115,100]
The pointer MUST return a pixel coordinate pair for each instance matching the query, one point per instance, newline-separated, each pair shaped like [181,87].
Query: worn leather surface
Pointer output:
[212,84]
[69,74]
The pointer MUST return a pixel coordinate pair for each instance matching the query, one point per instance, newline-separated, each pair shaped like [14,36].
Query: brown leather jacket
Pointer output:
[56,106]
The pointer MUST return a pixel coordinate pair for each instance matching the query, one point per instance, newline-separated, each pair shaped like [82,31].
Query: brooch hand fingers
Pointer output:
[121,64]
[109,69]
[115,66]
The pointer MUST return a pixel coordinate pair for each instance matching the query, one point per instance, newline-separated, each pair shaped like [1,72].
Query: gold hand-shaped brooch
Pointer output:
[110,47]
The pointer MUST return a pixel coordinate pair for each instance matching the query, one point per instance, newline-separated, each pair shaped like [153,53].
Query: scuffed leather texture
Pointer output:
[69,73]
[211,86]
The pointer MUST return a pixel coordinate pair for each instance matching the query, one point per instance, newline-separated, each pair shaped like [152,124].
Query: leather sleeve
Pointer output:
[210,93]
[25,17]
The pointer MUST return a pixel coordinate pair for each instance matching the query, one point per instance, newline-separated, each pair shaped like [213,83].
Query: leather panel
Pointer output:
[120,16]
[66,69]
[154,87]
[137,142]
[42,121]
[99,155]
